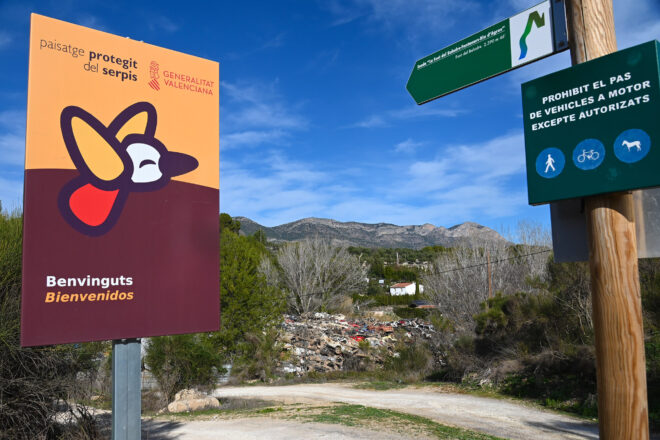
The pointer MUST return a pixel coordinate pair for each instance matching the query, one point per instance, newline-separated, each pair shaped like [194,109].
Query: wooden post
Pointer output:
[617,309]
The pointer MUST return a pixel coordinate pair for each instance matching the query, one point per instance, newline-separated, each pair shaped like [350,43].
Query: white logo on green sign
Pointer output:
[531,36]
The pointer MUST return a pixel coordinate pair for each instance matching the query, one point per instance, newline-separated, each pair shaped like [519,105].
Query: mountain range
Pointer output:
[376,235]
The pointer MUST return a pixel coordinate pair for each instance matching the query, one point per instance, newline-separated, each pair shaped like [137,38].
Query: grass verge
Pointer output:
[386,420]
[357,416]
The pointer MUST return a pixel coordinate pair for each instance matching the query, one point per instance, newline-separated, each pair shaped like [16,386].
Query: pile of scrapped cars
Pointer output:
[322,342]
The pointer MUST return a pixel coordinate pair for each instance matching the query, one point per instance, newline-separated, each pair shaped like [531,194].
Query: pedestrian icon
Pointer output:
[589,154]
[550,163]
[632,145]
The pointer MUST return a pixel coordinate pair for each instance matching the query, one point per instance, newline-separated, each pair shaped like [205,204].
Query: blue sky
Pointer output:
[315,120]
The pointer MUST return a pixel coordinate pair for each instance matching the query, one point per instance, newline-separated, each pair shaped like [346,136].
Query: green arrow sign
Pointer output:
[511,43]
[593,128]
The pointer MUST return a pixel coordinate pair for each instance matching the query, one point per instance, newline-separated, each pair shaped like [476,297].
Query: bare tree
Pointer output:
[269,270]
[458,280]
[532,233]
[317,275]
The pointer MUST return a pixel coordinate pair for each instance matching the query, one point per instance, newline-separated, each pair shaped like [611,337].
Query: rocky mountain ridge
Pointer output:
[376,235]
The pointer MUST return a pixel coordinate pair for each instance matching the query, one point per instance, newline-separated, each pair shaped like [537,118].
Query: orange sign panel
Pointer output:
[121,188]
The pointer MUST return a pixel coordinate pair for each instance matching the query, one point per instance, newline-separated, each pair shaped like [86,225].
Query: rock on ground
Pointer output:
[192,400]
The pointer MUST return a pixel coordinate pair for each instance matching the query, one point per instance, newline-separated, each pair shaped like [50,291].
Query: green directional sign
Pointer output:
[511,43]
[594,128]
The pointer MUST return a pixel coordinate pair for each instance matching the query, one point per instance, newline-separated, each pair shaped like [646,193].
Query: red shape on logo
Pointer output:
[92,205]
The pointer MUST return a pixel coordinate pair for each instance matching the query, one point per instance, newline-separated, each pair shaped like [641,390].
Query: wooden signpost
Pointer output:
[617,311]
[617,307]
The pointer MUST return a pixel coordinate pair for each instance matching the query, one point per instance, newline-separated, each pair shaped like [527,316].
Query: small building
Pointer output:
[405,289]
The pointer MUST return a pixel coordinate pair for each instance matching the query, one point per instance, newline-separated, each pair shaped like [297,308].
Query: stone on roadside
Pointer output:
[192,400]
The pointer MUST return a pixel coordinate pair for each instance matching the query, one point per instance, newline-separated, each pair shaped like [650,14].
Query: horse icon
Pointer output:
[113,161]
[633,144]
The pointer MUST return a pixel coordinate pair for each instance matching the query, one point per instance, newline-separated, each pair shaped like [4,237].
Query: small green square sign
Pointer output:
[594,128]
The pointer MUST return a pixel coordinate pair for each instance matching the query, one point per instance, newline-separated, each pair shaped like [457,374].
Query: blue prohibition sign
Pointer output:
[550,163]
[589,154]
[632,145]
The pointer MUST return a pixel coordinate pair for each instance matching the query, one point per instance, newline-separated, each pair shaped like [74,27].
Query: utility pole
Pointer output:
[617,308]
[490,278]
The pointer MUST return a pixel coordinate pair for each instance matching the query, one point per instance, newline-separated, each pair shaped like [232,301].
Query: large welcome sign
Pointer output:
[121,189]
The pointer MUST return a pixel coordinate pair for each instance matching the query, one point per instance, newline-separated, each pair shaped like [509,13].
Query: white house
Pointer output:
[405,289]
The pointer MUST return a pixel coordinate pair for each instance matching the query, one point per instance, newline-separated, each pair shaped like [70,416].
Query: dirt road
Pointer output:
[260,428]
[492,416]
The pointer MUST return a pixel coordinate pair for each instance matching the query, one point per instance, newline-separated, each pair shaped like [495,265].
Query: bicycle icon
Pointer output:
[590,155]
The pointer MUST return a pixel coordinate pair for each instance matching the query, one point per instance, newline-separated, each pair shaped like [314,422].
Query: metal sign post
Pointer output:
[122,189]
[126,389]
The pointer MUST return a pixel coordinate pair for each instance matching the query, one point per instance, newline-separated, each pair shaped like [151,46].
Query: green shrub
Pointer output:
[440,323]
[259,356]
[459,359]
[411,312]
[410,361]
[183,361]
[32,378]
[652,346]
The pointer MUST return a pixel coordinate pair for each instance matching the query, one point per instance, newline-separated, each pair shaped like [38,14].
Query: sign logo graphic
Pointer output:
[539,21]
[113,161]
[153,73]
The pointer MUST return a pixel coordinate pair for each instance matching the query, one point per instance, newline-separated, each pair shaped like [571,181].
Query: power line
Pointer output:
[495,262]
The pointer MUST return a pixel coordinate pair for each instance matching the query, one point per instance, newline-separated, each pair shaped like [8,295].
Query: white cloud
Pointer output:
[483,163]
[323,60]
[251,138]
[414,19]
[272,190]
[276,41]
[407,146]
[12,137]
[420,111]
[92,21]
[344,12]
[464,182]
[259,106]
[11,194]
[256,114]
[162,23]
[5,40]
[372,121]
[636,22]
[406,113]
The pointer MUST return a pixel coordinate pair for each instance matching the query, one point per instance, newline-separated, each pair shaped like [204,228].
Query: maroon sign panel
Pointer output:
[121,189]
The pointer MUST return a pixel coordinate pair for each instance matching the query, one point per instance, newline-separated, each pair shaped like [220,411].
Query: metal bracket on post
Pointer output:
[559,30]
[126,389]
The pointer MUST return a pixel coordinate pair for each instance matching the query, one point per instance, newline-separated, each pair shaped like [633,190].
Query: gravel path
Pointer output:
[259,428]
[492,416]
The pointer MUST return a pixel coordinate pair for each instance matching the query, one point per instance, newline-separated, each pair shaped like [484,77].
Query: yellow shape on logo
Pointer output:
[99,156]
